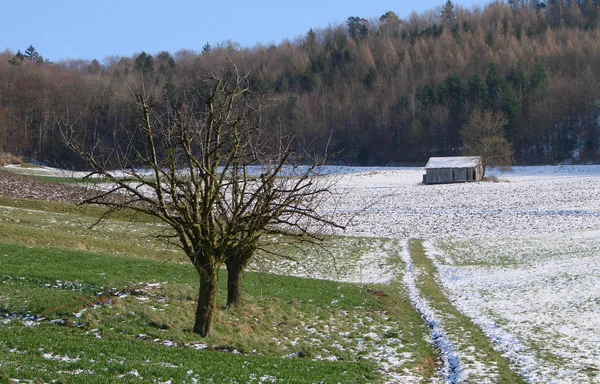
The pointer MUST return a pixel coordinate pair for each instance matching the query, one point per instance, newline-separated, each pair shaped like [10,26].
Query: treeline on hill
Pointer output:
[384,91]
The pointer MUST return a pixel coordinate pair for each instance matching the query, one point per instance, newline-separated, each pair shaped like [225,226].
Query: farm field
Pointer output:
[502,275]
[105,318]
[113,303]
[519,257]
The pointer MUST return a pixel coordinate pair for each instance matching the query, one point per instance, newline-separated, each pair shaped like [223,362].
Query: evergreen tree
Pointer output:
[390,24]
[539,77]
[17,59]
[477,90]
[32,55]
[357,27]
[144,62]
[494,83]
[448,16]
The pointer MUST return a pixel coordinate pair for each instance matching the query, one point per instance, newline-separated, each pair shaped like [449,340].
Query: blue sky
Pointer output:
[88,29]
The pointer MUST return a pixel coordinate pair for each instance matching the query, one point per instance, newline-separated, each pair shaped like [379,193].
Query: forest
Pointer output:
[381,91]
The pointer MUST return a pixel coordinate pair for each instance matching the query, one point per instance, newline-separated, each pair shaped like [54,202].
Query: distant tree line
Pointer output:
[381,91]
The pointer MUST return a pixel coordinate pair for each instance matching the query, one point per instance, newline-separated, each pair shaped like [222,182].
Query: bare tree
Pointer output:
[484,136]
[220,178]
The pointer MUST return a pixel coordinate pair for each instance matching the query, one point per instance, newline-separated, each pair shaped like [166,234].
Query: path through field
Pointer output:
[520,258]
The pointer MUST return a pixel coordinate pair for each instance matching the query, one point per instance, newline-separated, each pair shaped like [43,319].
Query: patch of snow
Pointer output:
[65,359]
[80,313]
[78,372]
[133,373]
[523,293]
[199,347]
[545,200]
[453,162]
[30,324]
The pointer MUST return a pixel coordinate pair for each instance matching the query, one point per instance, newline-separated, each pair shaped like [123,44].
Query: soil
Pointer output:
[27,187]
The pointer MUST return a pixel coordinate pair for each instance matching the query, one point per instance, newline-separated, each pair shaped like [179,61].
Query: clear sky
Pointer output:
[96,29]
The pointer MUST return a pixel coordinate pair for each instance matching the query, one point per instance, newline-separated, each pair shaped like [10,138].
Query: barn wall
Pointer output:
[451,175]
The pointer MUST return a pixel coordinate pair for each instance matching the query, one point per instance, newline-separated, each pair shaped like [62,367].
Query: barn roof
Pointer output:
[453,162]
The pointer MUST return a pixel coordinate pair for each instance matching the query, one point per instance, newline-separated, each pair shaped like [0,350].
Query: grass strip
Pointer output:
[454,321]
[60,207]
[59,179]
[69,226]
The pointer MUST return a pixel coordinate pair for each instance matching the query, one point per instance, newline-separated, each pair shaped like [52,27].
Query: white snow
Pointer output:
[452,366]
[453,162]
[133,373]
[538,301]
[395,204]
[521,257]
[65,359]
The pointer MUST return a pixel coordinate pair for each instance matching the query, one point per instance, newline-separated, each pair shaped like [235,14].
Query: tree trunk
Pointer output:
[235,275]
[207,301]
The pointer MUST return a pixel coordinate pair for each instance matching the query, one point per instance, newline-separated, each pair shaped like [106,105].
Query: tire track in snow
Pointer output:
[467,286]
[452,367]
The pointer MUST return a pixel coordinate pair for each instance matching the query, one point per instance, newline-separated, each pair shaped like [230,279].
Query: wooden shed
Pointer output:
[440,170]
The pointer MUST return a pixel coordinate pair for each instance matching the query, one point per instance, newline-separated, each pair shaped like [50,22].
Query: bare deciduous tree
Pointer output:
[484,136]
[220,179]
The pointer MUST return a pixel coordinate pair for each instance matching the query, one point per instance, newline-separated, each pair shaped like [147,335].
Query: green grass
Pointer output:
[68,226]
[59,179]
[59,207]
[454,321]
[52,266]
[112,359]
[55,283]
[283,316]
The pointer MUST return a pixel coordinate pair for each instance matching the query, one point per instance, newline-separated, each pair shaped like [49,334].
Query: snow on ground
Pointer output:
[348,259]
[44,171]
[537,298]
[393,203]
[521,256]
[452,368]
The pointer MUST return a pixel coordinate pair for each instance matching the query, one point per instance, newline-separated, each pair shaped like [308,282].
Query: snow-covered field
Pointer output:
[528,201]
[538,298]
[521,257]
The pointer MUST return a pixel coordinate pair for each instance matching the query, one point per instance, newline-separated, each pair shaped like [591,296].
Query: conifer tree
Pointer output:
[449,16]
[17,59]
[32,55]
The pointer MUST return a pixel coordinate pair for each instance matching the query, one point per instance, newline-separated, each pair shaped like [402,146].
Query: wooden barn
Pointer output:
[440,170]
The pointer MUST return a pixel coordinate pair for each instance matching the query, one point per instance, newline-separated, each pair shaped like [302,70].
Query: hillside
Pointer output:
[385,91]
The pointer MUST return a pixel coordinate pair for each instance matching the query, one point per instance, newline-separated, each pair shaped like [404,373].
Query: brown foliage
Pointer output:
[9,159]
[484,136]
